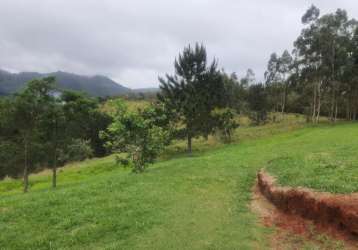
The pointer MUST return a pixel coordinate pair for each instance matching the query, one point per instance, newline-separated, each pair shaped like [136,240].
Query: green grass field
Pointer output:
[198,202]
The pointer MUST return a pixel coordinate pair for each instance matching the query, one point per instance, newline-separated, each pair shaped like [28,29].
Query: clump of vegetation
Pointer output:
[136,135]
[77,150]
[225,123]
[257,99]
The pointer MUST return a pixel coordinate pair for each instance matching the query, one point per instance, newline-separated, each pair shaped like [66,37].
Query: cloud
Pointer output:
[135,41]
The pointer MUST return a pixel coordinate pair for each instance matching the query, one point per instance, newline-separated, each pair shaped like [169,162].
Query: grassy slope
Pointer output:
[199,202]
[325,159]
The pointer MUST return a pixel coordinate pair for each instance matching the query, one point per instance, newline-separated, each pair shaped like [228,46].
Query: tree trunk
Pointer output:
[336,112]
[334,97]
[283,101]
[54,171]
[314,103]
[348,109]
[26,170]
[354,109]
[318,102]
[331,112]
[189,144]
[354,102]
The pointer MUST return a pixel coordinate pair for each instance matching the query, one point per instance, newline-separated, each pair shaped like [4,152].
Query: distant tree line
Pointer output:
[320,77]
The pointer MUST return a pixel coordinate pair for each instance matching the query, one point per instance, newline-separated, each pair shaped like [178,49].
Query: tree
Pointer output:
[30,106]
[257,99]
[193,92]
[84,120]
[54,136]
[10,150]
[235,91]
[249,78]
[311,15]
[285,65]
[277,75]
[273,82]
[324,54]
[308,47]
[130,133]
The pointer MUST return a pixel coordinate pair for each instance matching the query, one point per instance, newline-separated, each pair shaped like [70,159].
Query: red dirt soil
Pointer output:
[295,232]
[325,209]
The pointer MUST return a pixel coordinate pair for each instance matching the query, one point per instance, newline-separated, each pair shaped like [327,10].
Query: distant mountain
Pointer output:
[92,85]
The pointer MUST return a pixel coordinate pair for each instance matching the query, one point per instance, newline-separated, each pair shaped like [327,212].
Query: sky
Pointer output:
[135,41]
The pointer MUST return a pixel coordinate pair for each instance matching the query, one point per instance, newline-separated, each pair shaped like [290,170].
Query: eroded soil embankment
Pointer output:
[340,211]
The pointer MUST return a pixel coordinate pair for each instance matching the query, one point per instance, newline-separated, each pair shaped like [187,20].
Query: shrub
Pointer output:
[131,133]
[225,123]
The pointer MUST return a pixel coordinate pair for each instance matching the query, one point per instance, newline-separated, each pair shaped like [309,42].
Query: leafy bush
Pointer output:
[136,135]
[225,123]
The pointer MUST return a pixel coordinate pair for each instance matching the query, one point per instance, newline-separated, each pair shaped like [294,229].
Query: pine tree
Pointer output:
[193,91]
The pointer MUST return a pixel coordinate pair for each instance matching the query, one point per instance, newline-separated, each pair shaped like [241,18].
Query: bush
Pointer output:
[258,117]
[225,123]
[135,134]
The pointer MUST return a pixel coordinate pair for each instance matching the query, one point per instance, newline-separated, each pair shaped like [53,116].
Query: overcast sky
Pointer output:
[135,41]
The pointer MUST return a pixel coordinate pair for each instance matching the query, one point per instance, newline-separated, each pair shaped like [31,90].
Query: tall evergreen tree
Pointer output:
[193,91]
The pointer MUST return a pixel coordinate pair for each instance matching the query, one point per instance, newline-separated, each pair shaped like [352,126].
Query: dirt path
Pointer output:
[294,232]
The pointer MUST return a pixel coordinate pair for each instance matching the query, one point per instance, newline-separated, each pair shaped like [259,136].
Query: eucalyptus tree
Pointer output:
[325,54]
[334,46]
[277,76]
[273,82]
[351,77]
[284,68]
[309,52]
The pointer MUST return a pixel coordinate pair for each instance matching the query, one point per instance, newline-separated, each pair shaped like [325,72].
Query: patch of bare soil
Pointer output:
[299,227]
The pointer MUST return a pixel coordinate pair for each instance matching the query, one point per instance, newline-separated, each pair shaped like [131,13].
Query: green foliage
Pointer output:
[76,150]
[225,123]
[137,134]
[235,92]
[257,99]
[157,115]
[84,120]
[11,162]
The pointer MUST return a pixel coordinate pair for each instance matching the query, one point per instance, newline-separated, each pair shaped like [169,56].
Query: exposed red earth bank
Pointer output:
[334,210]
